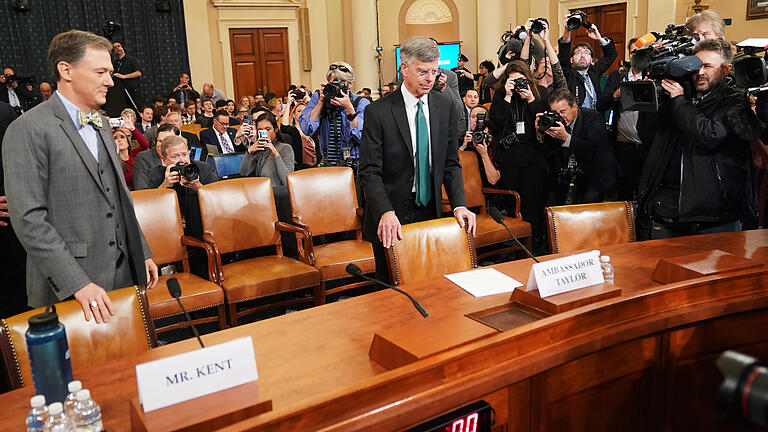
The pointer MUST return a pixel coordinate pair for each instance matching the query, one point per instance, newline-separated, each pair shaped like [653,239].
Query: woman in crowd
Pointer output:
[518,154]
[307,143]
[483,88]
[547,71]
[122,136]
[267,157]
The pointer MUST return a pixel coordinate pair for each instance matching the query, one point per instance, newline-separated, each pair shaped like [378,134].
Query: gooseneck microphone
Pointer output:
[174,289]
[355,271]
[499,218]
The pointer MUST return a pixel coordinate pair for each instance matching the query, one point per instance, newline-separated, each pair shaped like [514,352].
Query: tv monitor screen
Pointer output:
[226,165]
[195,153]
[449,56]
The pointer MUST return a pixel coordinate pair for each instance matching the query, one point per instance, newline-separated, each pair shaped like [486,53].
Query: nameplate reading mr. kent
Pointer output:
[203,371]
[566,274]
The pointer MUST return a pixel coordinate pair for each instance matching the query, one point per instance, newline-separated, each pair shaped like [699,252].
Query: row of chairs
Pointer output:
[196,128]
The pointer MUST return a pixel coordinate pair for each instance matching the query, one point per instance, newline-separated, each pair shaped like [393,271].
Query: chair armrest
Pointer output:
[490,190]
[360,212]
[208,238]
[209,253]
[307,249]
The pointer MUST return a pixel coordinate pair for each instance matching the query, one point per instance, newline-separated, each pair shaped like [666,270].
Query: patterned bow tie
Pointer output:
[93,118]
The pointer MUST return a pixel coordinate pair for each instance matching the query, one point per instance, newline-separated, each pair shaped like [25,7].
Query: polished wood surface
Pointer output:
[609,365]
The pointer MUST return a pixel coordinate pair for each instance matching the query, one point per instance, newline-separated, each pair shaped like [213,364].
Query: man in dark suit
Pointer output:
[220,135]
[184,92]
[408,152]
[68,200]
[578,153]
[582,76]
[11,92]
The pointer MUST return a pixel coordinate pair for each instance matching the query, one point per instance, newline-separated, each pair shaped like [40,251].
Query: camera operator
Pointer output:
[576,146]
[517,153]
[582,76]
[18,96]
[183,92]
[697,176]
[128,72]
[338,121]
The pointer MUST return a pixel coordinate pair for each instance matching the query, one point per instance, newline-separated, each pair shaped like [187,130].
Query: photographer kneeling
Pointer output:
[517,154]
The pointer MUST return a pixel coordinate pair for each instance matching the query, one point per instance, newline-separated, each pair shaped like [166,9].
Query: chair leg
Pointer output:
[232,307]
[320,293]
[222,316]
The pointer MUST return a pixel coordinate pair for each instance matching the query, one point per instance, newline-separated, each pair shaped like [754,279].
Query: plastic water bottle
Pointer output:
[69,405]
[49,355]
[57,419]
[36,417]
[87,414]
[605,264]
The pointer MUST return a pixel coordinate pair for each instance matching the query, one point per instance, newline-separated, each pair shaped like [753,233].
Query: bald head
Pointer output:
[45,90]
[208,90]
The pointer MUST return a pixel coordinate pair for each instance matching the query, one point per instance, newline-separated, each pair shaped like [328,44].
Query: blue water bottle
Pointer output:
[49,355]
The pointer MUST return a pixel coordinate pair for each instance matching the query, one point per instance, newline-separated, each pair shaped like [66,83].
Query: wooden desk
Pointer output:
[642,361]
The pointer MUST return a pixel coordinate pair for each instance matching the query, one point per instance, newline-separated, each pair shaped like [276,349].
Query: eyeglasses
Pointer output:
[583,53]
[425,72]
[339,67]
[226,123]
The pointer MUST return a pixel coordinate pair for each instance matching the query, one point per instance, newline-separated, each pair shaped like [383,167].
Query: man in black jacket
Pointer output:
[697,178]
[582,75]
[578,153]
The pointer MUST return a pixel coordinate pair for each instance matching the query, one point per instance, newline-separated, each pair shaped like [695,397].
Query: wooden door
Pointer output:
[260,61]
[611,20]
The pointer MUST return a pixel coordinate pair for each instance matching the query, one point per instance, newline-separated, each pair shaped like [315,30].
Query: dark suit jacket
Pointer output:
[7,115]
[210,137]
[386,157]
[573,77]
[25,97]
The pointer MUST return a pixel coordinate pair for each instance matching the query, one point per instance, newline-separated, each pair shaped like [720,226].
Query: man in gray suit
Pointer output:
[67,196]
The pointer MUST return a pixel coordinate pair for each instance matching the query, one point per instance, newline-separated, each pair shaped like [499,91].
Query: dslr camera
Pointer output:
[537,26]
[336,88]
[521,83]
[576,20]
[299,94]
[478,135]
[550,119]
[189,171]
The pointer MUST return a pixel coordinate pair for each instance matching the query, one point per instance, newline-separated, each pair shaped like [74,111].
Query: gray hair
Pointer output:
[421,48]
[339,74]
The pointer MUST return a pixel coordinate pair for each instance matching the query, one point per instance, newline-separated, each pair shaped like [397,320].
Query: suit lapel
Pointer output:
[577,124]
[401,119]
[74,137]
[434,123]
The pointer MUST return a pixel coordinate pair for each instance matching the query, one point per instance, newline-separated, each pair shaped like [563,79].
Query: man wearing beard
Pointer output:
[696,179]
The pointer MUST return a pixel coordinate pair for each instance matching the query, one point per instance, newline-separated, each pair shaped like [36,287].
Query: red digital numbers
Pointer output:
[466,424]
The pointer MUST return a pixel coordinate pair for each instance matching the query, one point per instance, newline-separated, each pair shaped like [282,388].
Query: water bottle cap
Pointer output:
[55,408]
[83,395]
[37,401]
[45,319]
[605,258]
[74,386]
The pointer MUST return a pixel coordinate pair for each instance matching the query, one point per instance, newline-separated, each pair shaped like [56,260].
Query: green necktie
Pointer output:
[423,183]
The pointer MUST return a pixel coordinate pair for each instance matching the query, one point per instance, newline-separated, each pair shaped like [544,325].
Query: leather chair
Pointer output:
[431,249]
[324,201]
[590,226]
[489,232]
[240,214]
[130,331]
[192,128]
[160,219]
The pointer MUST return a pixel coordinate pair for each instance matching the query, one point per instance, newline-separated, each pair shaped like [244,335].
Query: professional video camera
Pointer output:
[669,56]
[549,119]
[744,390]
[189,171]
[21,79]
[749,70]
[478,135]
[511,40]
[109,28]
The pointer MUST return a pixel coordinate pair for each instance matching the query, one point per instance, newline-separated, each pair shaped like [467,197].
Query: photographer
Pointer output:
[184,92]
[696,179]
[337,120]
[267,157]
[18,96]
[576,145]
[517,154]
[582,76]
[484,147]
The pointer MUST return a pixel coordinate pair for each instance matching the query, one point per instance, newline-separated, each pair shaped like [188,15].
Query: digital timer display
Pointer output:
[475,417]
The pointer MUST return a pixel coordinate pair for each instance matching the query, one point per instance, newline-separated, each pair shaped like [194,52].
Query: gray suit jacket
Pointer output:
[57,206]
[275,168]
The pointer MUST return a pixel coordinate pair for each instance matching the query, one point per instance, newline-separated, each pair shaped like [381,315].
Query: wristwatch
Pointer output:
[352,116]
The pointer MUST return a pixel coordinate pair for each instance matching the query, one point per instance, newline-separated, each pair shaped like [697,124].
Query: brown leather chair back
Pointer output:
[129,332]
[324,199]
[160,219]
[431,249]
[473,183]
[590,226]
[239,214]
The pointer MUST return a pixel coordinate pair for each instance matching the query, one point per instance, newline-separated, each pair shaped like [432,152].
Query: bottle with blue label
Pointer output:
[36,418]
[49,355]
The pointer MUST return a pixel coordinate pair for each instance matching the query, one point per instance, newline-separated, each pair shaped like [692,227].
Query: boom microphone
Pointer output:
[356,271]
[499,218]
[174,289]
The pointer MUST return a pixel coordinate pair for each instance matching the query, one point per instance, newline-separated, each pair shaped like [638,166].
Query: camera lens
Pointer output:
[574,22]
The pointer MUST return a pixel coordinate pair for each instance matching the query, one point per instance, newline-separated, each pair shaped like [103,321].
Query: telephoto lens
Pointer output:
[744,390]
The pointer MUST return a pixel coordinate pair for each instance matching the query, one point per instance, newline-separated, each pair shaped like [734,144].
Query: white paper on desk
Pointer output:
[484,282]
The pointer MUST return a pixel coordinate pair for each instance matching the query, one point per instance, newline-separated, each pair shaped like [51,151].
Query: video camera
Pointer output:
[668,57]
[511,40]
[109,28]
[749,70]
[21,79]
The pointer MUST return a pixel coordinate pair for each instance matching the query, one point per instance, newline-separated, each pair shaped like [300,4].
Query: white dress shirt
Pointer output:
[87,132]
[411,107]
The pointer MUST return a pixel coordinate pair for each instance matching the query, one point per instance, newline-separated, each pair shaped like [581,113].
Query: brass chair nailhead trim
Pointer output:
[13,351]
[143,316]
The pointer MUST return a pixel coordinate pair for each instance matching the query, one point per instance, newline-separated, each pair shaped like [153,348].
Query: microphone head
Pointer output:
[496,215]
[173,287]
[353,270]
